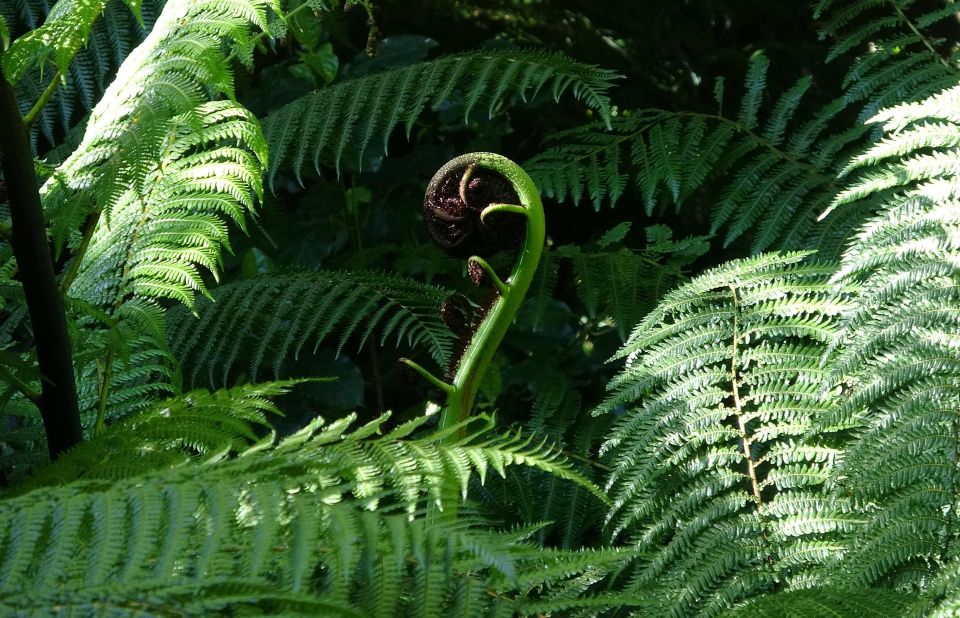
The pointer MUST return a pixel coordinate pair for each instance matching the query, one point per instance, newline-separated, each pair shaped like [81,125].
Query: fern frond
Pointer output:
[270,319]
[712,478]
[862,603]
[898,347]
[196,425]
[343,120]
[108,43]
[785,172]
[279,516]
[155,128]
[897,57]
[65,29]
[201,170]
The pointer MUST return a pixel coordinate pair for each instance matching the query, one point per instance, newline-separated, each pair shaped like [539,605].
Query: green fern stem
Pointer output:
[483,344]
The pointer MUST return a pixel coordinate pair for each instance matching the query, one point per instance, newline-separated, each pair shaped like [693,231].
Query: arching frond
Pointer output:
[778,172]
[344,119]
[279,516]
[712,478]
[270,319]
[898,346]
[170,433]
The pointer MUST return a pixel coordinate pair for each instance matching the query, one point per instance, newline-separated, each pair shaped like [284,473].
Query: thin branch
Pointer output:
[20,385]
[34,112]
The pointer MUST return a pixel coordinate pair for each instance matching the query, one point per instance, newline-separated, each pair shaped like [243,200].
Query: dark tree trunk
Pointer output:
[58,395]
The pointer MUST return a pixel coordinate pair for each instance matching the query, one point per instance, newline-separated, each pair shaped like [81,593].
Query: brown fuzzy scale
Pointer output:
[456,312]
[455,225]
[463,338]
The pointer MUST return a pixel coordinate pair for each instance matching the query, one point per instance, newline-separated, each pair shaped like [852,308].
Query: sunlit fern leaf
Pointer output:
[271,319]
[64,31]
[174,72]
[711,477]
[344,119]
[172,432]
[197,171]
[836,602]
[898,346]
[282,515]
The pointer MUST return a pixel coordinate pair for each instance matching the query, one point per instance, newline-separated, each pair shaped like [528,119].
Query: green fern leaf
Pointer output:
[343,120]
[711,481]
[269,319]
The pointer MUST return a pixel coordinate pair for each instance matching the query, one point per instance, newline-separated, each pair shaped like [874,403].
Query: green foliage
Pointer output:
[275,520]
[897,345]
[774,178]
[345,119]
[711,479]
[779,434]
[271,318]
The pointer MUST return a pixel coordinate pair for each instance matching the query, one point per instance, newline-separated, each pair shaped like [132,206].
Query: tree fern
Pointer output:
[267,320]
[345,119]
[711,477]
[898,347]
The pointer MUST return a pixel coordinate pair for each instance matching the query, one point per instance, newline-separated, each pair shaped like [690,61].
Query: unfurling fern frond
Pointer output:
[280,517]
[899,346]
[343,120]
[712,477]
[271,319]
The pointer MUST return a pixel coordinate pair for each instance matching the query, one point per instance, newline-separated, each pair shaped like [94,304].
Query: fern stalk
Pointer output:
[462,391]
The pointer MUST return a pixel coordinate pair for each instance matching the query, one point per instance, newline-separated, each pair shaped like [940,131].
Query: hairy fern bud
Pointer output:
[454,200]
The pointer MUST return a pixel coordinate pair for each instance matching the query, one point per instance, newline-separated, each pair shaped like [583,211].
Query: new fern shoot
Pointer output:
[473,204]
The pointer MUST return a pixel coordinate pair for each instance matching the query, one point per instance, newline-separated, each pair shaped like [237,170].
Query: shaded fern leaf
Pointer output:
[897,56]
[110,40]
[775,175]
[712,479]
[269,319]
[345,119]
[898,346]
